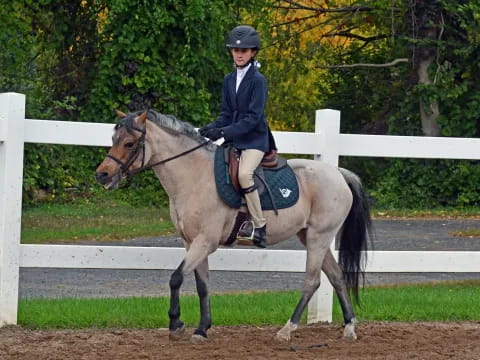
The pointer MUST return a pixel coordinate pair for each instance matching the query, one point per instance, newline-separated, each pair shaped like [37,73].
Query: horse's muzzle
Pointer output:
[108,182]
[101,177]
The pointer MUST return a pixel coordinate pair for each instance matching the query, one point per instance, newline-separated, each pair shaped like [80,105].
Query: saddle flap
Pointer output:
[233,156]
[281,180]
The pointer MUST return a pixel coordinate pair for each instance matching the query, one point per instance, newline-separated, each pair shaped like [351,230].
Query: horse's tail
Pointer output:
[356,230]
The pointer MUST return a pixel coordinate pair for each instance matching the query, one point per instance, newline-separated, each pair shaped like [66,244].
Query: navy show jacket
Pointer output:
[242,117]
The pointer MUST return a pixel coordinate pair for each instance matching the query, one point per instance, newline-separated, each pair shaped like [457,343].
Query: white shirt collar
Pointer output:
[241,74]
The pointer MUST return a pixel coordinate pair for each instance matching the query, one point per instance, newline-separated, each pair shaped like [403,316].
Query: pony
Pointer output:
[332,203]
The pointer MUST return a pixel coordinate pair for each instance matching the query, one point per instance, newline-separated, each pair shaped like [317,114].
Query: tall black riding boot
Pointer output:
[260,237]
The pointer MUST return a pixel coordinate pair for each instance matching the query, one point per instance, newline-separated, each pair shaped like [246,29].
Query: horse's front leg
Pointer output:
[201,279]
[176,327]
[196,258]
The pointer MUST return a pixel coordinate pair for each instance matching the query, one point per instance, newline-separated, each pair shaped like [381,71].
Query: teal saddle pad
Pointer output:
[282,183]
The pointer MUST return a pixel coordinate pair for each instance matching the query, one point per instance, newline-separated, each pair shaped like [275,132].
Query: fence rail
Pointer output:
[150,258]
[326,144]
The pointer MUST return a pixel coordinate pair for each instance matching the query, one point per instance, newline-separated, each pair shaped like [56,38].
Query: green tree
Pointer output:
[166,55]
[387,60]
[390,67]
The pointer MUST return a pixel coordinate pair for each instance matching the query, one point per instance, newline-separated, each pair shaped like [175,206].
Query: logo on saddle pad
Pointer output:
[285,192]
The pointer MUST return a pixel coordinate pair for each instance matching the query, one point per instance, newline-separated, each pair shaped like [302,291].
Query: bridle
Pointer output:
[140,146]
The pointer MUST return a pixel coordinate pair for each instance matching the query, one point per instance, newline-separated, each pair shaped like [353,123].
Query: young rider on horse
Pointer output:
[242,121]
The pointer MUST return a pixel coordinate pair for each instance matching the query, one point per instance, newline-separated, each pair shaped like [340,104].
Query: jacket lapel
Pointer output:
[231,89]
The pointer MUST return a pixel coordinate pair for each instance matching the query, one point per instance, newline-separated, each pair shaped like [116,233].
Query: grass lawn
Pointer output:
[452,301]
[92,219]
[434,213]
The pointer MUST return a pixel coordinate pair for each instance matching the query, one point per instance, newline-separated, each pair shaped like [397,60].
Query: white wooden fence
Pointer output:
[327,144]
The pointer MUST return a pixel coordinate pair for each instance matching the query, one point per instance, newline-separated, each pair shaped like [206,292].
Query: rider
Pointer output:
[242,120]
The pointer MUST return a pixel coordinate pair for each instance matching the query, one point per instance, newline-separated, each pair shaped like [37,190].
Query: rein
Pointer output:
[134,155]
[136,171]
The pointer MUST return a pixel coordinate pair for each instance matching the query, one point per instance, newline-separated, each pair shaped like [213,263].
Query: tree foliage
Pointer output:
[168,55]
[321,39]
[339,54]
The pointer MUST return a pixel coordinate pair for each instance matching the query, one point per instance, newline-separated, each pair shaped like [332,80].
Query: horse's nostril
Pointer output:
[101,177]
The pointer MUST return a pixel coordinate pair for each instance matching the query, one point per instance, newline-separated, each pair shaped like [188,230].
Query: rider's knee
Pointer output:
[245,179]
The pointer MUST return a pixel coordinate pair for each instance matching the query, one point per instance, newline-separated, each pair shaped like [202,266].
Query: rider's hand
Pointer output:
[203,130]
[214,134]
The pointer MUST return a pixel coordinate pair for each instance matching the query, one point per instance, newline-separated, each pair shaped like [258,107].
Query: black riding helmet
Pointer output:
[243,37]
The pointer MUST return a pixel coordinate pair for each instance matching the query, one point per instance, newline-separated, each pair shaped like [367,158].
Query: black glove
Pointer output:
[203,130]
[214,134]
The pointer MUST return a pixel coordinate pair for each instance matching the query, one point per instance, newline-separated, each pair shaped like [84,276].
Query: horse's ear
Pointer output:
[141,119]
[120,114]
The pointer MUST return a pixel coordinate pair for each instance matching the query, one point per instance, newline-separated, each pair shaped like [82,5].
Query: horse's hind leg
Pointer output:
[335,276]
[315,255]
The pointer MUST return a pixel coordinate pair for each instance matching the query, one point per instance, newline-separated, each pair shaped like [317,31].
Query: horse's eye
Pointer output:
[129,145]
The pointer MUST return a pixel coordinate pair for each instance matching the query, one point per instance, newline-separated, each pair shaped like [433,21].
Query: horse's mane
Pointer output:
[166,121]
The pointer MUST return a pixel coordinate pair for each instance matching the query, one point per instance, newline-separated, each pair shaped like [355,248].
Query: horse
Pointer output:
[331,203]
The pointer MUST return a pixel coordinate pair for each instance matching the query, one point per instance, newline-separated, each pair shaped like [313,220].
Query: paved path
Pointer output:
[397,235]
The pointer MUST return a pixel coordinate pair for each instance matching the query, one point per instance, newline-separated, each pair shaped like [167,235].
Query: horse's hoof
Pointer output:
[283,338]
[198,339]
[349,332]
[177,334]
[351,336]
[285,333]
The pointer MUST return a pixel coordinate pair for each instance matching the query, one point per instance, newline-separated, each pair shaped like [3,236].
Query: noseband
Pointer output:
[140,145]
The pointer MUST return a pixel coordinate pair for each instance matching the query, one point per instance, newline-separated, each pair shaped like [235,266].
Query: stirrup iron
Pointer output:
[246,231]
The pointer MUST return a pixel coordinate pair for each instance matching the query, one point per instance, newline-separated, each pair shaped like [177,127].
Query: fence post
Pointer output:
[12,118]
[327,123]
